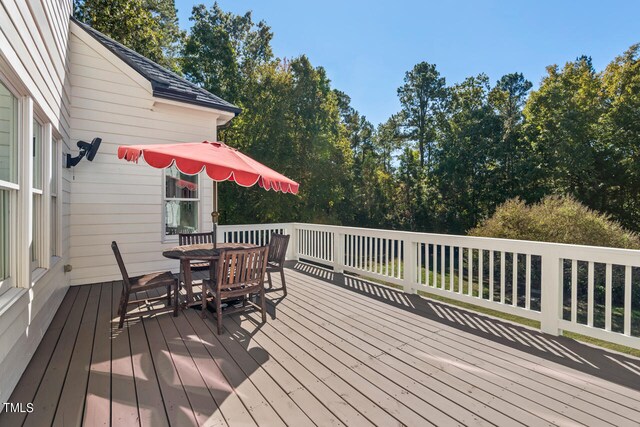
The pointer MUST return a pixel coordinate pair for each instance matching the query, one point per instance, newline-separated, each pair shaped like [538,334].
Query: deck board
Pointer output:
[150,403]
[74,390]
[124,403]
[336,351]
[97,408]
[541,399]
[48,396]
[31,380]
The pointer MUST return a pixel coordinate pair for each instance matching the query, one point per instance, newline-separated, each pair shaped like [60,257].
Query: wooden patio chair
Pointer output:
[277,254]
[196,239]
[131,285]
[236,273]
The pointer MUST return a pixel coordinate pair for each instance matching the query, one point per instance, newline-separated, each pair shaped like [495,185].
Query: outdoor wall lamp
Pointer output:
[86,149]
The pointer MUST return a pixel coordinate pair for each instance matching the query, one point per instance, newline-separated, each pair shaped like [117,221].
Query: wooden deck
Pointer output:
[336,351]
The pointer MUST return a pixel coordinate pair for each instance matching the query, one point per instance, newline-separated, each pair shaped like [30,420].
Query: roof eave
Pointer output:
[176,96]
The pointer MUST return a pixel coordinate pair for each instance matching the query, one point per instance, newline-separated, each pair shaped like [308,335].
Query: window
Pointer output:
[53,189]
[181,200]
[8,180]
[36,191]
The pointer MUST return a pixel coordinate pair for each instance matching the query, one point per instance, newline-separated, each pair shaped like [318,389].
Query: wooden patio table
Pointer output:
[199,252]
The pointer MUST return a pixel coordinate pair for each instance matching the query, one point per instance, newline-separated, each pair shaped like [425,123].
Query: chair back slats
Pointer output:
[241,268]
[278,248]
[123,269]
[196,238]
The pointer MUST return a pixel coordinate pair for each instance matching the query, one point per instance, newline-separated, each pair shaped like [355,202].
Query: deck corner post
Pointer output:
[409,267]
[338,252]
[292,250]
[551,299]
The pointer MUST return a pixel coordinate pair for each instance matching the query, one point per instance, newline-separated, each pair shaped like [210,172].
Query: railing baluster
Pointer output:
[574,290]
[451,253]
[427,260]
[491,273]
[607,298]
[393,258]
[369,249]
[354,251]
[435,265]
[514,286]
[387,257]
[326,246]
[627,300]
[470,262]
[590,287]
[503,280]
[376,249]
[421,263]
[442,267]
[460,269]
[527,283]
[480,274]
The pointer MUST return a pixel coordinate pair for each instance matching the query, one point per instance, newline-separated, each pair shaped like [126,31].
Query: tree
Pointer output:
[223,51]
[147,26]
[562,119]
[421,97]
[171,36]
[620,135]
[389,139]
[513,153]
[465,159]
[293,125]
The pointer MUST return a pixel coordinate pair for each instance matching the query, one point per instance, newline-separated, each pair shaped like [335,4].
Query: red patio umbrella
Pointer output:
[221,163]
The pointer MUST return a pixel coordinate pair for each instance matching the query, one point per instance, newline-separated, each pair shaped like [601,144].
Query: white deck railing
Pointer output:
[534,280]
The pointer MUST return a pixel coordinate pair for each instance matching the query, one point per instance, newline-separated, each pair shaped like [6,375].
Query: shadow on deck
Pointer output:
[610,366]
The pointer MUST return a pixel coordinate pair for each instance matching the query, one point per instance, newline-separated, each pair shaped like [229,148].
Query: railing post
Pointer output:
[551,299]
[338,252]
[292,250]
[409,267]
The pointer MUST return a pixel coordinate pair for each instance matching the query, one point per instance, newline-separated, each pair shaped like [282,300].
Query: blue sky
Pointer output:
[367,46]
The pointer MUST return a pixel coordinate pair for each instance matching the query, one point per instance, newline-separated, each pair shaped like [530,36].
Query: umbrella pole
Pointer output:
[215,214]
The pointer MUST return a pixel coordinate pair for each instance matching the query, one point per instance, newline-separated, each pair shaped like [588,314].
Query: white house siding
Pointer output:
[33,53]
[112,199]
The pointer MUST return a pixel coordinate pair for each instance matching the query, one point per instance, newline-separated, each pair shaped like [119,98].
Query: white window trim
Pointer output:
[26,274]
[41,261]
[54,154]
[10,282]
[24,203]
[174,238]
[14,191]
[45,218]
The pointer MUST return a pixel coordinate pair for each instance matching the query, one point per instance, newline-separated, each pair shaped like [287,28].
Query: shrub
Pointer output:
[560,219]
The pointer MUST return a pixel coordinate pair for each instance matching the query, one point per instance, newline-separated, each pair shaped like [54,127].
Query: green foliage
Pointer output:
[620,136]
[150,27]
[562,126]
[171,37]
[556,219]
[466,153]
[421,97]
[292,124]
[223,51]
